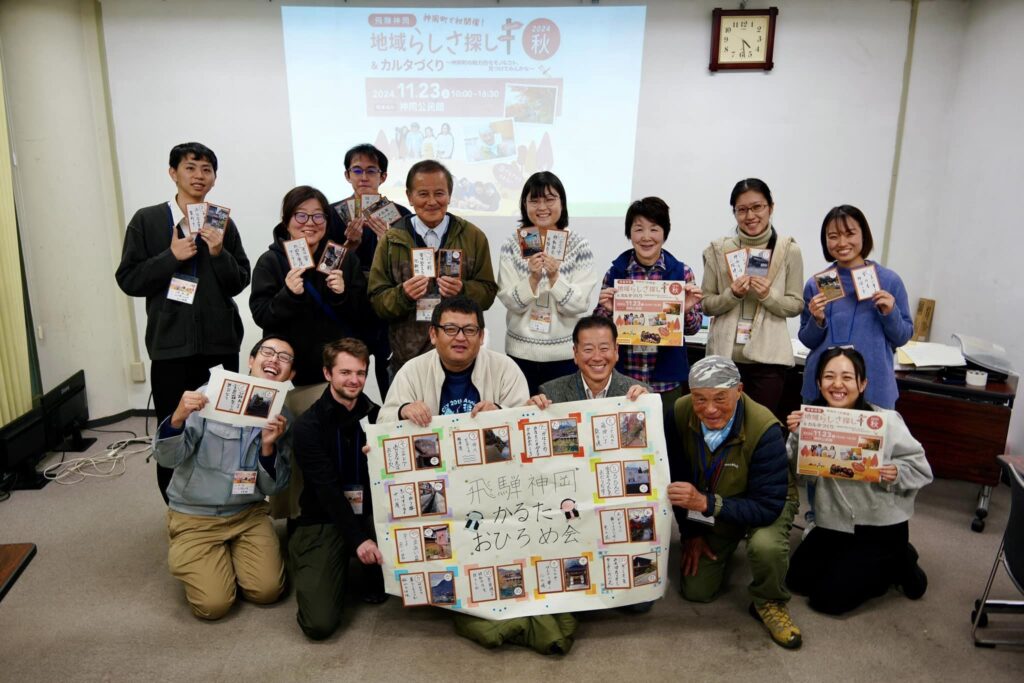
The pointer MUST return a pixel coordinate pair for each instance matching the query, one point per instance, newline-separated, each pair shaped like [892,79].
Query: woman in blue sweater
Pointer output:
[876,326]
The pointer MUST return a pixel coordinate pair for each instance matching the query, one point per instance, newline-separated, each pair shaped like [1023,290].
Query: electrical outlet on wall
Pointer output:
[138,372]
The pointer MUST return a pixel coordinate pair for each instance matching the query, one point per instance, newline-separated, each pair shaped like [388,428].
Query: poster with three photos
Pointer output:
[521,511]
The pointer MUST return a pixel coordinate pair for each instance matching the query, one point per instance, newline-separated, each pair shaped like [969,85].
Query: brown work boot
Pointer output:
[775,617]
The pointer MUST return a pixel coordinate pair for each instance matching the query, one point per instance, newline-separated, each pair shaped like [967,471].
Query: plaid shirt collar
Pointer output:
[634,267]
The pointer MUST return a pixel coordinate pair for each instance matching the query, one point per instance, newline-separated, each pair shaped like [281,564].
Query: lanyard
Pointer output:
[715,466]
[243,446]
[355,460]
[311,290]
[170,219]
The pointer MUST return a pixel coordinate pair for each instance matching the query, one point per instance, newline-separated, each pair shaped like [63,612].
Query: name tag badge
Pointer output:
[743,331]
[694,516]
[244,483]
[354,495]
[540,320]
[425,309]
[183,289]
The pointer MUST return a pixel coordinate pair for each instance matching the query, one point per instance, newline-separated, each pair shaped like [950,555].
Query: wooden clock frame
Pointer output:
[719,15]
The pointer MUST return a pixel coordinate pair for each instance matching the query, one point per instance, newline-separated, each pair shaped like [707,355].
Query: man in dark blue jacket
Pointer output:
[730,482]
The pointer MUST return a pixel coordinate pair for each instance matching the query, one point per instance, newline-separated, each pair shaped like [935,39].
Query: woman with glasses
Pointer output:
[305,305]
[751,302]
[544,296]
[860,545]
[663,368]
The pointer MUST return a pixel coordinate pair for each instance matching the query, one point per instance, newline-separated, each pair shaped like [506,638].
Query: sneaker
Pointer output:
[808,526]
[775,617]
[913,582]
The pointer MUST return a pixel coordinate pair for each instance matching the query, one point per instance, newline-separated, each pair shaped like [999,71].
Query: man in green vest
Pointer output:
[730,483]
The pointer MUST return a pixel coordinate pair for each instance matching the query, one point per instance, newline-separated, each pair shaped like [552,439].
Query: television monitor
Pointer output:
[65,414]
[22,446]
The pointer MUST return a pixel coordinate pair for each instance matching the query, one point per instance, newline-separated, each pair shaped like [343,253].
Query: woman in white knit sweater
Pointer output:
[544,297]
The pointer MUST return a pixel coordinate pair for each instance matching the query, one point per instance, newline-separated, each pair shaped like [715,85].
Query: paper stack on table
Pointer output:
[928,356]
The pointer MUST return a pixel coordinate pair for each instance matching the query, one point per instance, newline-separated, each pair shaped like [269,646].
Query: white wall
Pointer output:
[820,129]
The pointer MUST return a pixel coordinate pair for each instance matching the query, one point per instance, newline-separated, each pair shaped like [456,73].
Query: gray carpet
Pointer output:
[97,603]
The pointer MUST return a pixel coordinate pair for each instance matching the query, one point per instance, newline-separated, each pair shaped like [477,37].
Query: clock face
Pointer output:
[743,40]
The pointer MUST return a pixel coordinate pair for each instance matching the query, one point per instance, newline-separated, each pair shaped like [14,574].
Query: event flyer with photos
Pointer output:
[841,443]
[649,311]
[243,400]
[524,511]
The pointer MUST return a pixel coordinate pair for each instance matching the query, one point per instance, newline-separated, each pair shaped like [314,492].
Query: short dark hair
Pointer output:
[295,197]
[367,150]
[428,166]
[194,150]
[592,322]
[261,342]
[534,188]
[751,185]
[860,372]
[349,345]
[653,209]
[844,213]
[457,304]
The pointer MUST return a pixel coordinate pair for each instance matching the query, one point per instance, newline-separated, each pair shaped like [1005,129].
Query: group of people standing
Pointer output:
[732,477]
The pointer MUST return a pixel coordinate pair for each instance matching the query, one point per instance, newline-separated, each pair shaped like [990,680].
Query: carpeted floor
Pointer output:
[97,603]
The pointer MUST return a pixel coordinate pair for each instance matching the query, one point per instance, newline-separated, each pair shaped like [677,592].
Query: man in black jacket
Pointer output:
[189,281]
[337,517]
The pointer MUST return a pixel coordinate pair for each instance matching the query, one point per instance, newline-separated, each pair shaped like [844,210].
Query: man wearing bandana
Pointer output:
[731,483]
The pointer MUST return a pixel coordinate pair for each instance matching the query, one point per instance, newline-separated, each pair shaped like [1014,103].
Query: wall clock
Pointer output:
[743,38]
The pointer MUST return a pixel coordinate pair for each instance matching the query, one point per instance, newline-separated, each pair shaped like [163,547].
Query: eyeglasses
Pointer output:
[543,201]
[753,208]
[359,172]
[270,352]
[301,217]
[471,331]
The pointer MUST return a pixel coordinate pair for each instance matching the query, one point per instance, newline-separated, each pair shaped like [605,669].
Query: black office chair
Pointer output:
[1011,554]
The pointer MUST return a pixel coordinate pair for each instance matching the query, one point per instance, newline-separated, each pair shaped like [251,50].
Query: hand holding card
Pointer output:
[423,263]
[298,253]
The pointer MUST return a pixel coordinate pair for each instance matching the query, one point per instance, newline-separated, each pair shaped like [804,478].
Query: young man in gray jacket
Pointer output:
[220,538]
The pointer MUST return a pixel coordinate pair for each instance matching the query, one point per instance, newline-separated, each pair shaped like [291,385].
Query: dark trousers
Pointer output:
[169,380]
[840,571]
[318,558]
[539,372]
[764,383]
[380,348]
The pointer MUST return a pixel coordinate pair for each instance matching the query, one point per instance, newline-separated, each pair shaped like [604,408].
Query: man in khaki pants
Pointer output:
[220,534]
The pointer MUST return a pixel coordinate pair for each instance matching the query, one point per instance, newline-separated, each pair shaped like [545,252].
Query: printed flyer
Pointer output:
[520,511]
[649,311]
[840,443]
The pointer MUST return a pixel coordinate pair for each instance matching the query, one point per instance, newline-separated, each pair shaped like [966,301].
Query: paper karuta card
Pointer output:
[758,261]
[217,216]
[332,257]
[449,262]
[865,281]
[388,213]
[298,254]
[423,263]
[736,260]
[555,243]
[196,216]
[365,201]
[829,284]
[529,241]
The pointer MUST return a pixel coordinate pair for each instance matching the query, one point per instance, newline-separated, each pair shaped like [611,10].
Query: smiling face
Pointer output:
[267,364]
[544,211]
[347,377]
[596,354]
[364,174]
[753,213]
[845,242]
[839,384]
[429,197]
[310,230]
[715,407]
[459,352]
[194,178]
[647,239]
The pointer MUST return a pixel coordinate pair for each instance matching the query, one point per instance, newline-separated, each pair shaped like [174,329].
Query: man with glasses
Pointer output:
[458,375]
[220,535]
[406,300]
[189,281]
[366,169]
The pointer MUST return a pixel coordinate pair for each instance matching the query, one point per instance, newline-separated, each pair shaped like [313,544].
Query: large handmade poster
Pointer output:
[841,443]
[521,511]
[649,312]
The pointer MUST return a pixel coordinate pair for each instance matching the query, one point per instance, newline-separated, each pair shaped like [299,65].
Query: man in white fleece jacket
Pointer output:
[458,375]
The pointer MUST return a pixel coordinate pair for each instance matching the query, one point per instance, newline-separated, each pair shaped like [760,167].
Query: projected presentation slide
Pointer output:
[496,94]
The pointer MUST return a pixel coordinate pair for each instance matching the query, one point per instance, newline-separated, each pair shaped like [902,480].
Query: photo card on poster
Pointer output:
[645,569]
[638,477]
[442,588]
[576,573]
[511,582]
[565,436]
[437,542]
[432,498]
[632,430]
[641,525]
[497,445]
[427,448]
